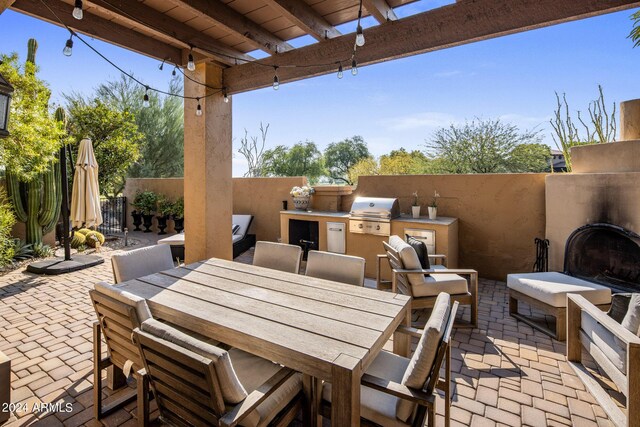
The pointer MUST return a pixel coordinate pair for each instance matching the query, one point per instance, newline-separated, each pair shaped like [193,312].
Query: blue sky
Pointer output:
[394,104]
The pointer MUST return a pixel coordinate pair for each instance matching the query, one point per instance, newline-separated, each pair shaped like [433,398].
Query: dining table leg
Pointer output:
[346,374]
[310,388]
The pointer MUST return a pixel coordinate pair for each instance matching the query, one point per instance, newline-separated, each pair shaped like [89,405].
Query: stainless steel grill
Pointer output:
[373,215]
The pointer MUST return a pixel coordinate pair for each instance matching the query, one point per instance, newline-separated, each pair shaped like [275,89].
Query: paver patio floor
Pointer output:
[504,373]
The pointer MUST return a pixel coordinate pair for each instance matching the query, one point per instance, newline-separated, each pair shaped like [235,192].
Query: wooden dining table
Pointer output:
[326,330]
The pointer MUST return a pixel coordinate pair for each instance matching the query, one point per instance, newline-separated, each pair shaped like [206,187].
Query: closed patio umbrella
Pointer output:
[85,196]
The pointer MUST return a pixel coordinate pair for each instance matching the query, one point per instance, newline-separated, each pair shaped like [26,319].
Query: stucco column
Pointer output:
[630,120]
[208,197]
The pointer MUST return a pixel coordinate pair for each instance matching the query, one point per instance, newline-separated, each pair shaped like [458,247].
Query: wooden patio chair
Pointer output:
[339,268]
[118,314]
[141,262]
[408,278]
[402,392]
[199,384]
[278,256]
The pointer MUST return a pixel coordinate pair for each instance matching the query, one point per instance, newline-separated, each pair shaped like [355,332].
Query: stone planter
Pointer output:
[162,223]
[433,212]
[301,203]
[137,220]
[147,222]
[415,211]
[178,224]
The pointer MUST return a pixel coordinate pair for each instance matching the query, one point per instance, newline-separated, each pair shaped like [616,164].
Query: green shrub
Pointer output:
[178,208]
[22,250]
[7,220]
[94,237]
[41,250]
[77,240]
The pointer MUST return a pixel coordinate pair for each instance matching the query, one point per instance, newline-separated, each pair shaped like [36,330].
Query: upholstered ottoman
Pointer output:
[548,293]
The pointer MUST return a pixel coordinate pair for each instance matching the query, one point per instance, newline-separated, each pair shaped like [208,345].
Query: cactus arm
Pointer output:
[51,199]
[34,195]
[13,187]
[32,47]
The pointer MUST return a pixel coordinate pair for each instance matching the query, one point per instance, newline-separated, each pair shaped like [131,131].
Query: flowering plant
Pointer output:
[434,200]
[304,191]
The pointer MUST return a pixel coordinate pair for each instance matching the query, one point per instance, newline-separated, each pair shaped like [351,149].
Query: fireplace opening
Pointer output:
[606,254]
[304,234]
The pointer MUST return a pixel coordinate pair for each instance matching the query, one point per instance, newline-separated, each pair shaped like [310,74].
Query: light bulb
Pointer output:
[276,82]
[161,67]
[354,68]
[340,71]
[173,73]
[359,37]
[191,66]
[68,47]
[77,10]
[145,100]
[199,110]
[226,99]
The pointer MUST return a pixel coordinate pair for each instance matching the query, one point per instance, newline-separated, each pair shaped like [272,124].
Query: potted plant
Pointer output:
[415,207]
[164,208]
[145,204]
[433,206]
[302,196]
[178,215]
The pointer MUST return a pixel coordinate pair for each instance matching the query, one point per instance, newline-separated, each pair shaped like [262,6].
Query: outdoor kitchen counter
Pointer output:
[341,215]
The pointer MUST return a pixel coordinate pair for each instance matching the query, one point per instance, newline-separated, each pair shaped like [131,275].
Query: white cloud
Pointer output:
[425,120]
[451,73]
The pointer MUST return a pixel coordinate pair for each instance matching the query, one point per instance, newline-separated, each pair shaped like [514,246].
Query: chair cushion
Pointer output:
[631,320]
[339,268]
[433,284]
[421,362]
[409,259]
[252,372]
[605,341]
[140,304]
[236,238]
[421,251]
[231,387]
[235,228]
[175,240]
[377,406]
[141,262]
[278,256]
[552,288]
[244,221]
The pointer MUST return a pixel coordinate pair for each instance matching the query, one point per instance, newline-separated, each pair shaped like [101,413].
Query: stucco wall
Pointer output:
[574,200]
[622,156]
[260,197]
[499,214]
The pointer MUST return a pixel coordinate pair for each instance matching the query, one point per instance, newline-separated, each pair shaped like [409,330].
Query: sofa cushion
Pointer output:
[631,320]
[244,221]
[608,343]
[424,356]
[375,405]
[421,251]
[231,387]
[113,291]
[141,262]
[552,288]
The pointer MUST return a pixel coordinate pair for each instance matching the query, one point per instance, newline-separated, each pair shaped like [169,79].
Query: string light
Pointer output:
[359,36]
[354,67]
[173,73]
[340,71]
[161,65]
[77,10]
[68,47]
[226,98]
[191,66]
[276,80]
[198,108]
[145,99]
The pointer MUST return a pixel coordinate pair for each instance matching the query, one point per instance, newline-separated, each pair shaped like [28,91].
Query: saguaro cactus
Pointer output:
[37,202]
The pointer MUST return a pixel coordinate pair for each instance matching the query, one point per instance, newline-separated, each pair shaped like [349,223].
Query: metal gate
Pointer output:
[114,215]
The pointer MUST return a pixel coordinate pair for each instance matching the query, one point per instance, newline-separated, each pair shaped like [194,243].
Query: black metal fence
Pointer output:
[114,215]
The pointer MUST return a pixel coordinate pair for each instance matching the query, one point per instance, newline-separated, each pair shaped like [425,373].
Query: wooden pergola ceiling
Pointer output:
[224,31]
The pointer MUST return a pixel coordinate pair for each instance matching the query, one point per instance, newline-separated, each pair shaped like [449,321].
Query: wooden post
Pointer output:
[208,197]
[573,324]
[633,385]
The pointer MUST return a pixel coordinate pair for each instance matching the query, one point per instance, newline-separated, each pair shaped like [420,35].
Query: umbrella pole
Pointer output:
[65,203]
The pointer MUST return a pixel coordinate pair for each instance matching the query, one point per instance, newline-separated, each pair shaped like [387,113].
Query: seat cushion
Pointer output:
[141,262]
[421,363]
[140,304]
[252,372]
[244,222]
[175,240]
[339,268]
[236,238]
[433,284]
[552,288]
[232,389]
[377,406]
[605,341]
[631,320]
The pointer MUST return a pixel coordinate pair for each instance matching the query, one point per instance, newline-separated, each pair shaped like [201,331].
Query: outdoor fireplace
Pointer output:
[605,254]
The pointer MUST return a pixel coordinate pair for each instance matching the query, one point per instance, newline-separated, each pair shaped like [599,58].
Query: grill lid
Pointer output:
[375,208]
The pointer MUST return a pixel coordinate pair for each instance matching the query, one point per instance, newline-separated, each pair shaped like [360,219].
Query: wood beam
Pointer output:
[235,22]
[380,10]
[303,16]
[464,22]
[99,28]
[5,4]
[153,21]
